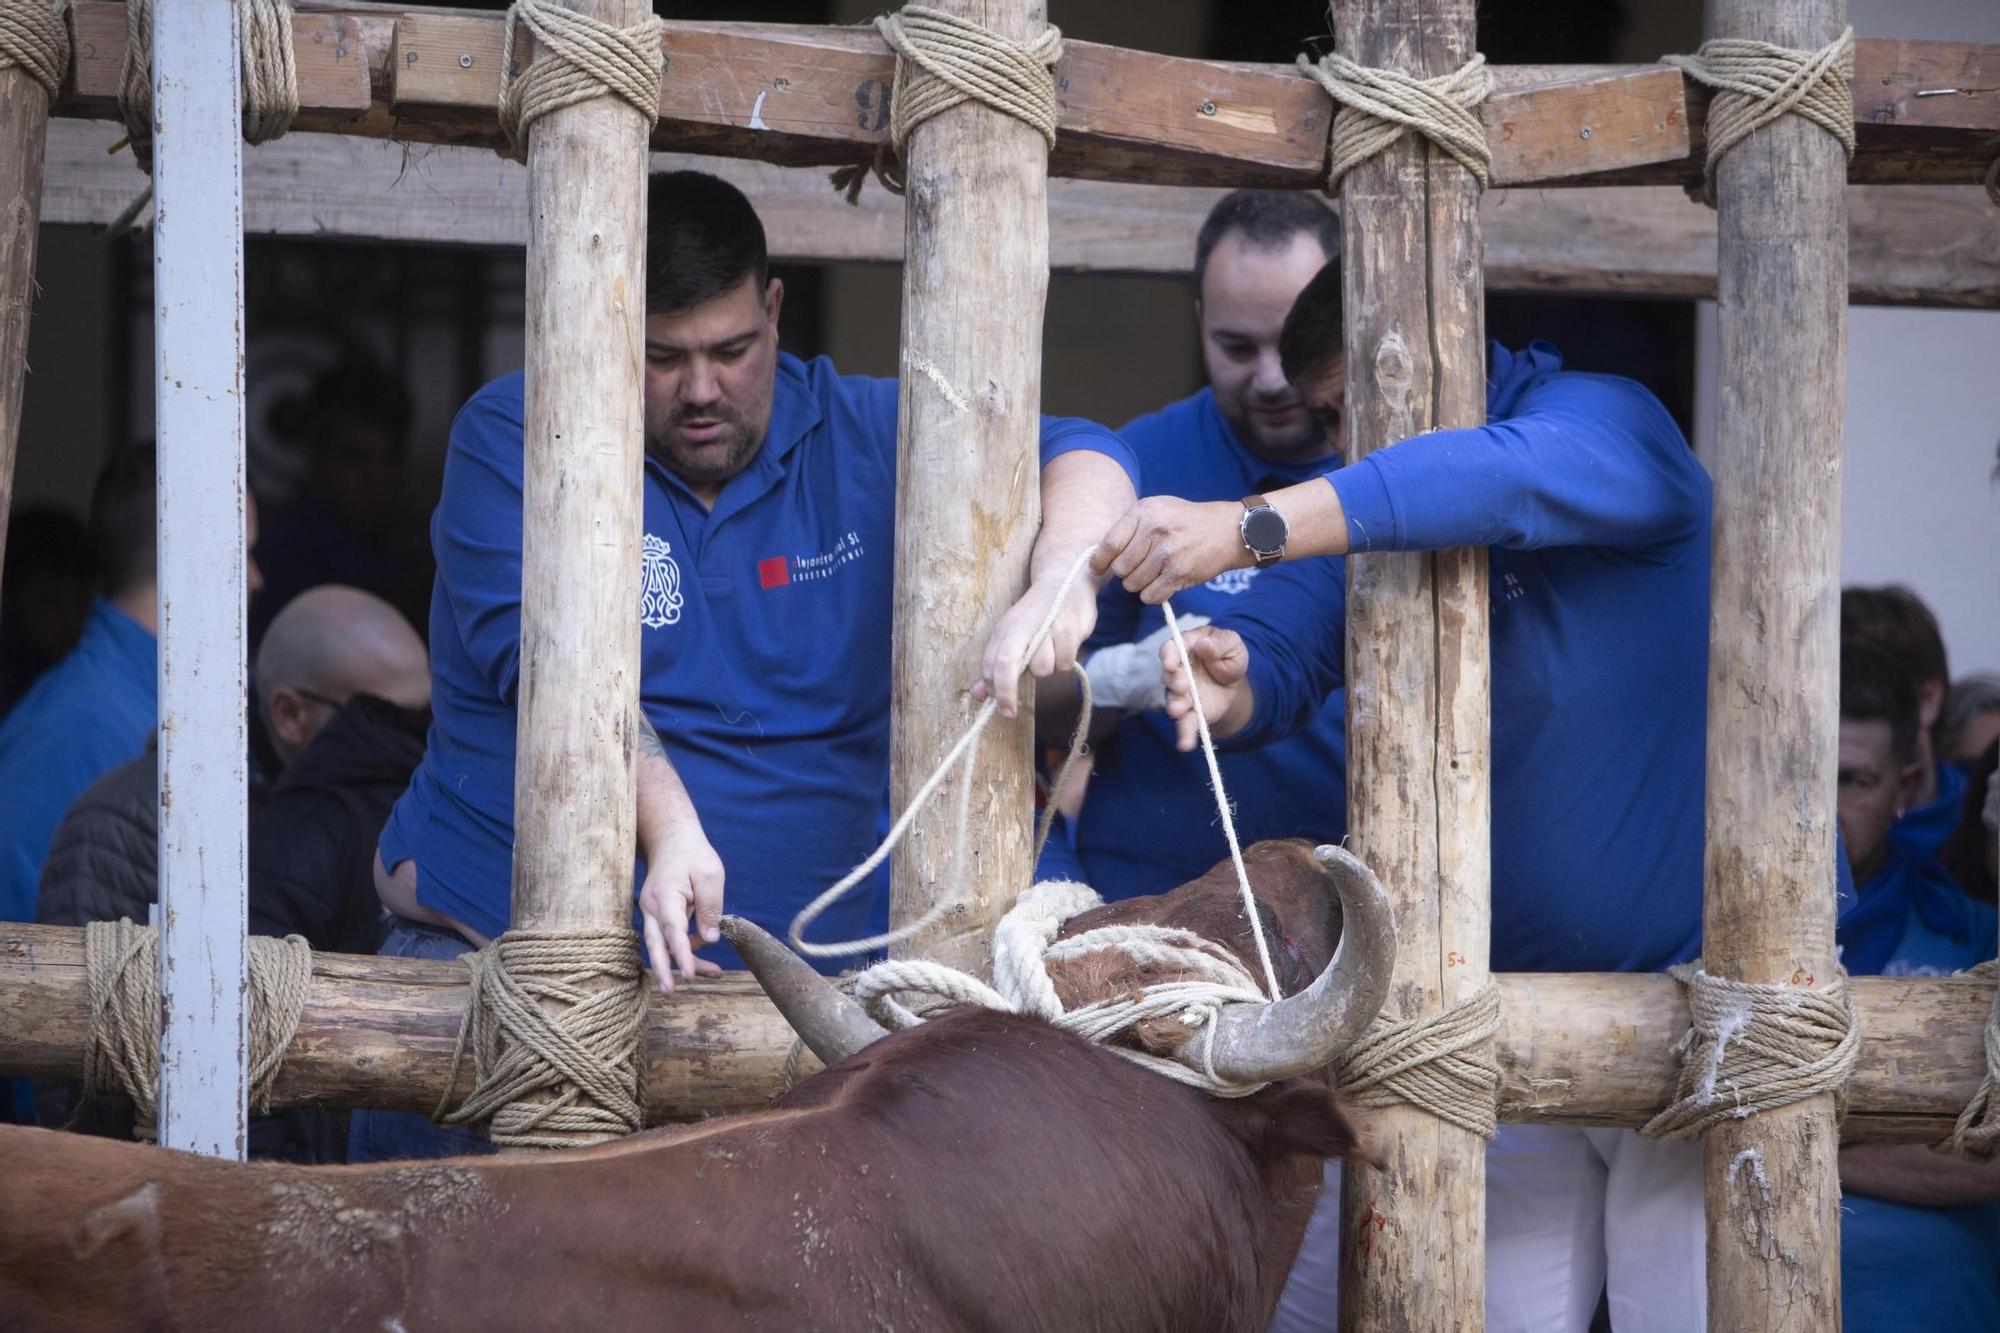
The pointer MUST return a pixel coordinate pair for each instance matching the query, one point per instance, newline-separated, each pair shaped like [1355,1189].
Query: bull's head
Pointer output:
[1253,1043]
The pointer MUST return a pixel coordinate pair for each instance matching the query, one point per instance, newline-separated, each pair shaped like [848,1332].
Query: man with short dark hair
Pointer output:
[770,488]
[1894,620]
[1148,820]
[1919,1232]
[1598,517]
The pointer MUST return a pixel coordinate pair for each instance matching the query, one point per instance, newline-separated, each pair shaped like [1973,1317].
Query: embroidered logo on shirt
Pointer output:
[1232,582]
[778,570]
[659,584]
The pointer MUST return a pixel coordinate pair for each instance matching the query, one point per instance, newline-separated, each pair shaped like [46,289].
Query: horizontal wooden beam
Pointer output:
[1573,1049]
[1908,245]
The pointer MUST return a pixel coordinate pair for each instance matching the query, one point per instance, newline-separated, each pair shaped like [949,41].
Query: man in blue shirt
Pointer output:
[1148,821]
[1895,621]
[1599,518]
[770,499]
[1919,1232]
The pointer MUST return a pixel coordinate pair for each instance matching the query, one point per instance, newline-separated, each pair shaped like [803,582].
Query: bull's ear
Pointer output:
[1299,1116]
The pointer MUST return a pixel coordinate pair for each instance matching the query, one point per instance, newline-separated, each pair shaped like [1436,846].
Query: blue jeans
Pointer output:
[389,1136]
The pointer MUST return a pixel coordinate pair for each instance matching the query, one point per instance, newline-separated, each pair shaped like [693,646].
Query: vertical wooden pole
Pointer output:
[574,818]
[1413,1235]
[968,502]
[24,132]
[1774,671]
[204,742]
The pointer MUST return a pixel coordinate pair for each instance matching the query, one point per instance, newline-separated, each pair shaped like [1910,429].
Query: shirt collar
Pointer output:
[794,413]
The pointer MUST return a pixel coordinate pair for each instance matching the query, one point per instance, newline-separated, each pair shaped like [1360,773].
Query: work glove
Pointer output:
[1127,675]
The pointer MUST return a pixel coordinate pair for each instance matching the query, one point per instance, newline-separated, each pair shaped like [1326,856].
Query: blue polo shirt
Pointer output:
[1598,516]
[1902,1266]
[1148,822]
[87,714]
[765,635]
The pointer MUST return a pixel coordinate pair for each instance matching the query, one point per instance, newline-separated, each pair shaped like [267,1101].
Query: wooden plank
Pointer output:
[1413,1237]
[1773,1178]
[968,497]
[24,126]
[1574,1049]
[326,51]
[204,733]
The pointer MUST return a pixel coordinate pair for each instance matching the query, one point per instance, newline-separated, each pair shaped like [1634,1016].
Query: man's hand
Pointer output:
[683,883]
[1163,545]
[1007,647]
[1220,662]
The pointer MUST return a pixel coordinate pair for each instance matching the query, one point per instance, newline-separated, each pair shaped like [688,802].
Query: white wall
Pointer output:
[1920,501]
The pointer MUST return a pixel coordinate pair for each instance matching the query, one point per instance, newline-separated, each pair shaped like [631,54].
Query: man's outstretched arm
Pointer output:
[683,873]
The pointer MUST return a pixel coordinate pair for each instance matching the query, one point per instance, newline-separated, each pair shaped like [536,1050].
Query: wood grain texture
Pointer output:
[574,814]
[24,124]
[334,87]
[1413,1235]
[968,494]
[1574,1049]
[1773,1181]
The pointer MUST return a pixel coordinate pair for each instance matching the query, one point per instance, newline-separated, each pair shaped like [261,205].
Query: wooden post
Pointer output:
[1774,671]
[24,131]
[1413,1240]
[968,499]
[204,740]
[574,817]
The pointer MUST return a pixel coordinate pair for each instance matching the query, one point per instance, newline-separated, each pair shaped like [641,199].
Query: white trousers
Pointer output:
[1569,1212]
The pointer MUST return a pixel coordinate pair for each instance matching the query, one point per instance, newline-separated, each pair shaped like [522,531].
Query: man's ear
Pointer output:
[774,300]
[1909,781]
[285,715]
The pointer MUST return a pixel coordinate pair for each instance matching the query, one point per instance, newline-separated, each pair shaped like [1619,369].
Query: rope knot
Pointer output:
[1377,107]
[579,58]
[270,75]
[34,36]
[554,1020]
[1977,1133]
[1441,1062]
[1755,1047]
[942,61]
[1756,82]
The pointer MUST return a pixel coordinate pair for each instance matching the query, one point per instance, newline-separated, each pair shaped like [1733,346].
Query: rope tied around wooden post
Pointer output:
[1377,107]
[579,58]
[34,36]
[942,61]
[1754,1047]
[561,1076]
[270,77]
[1977,1134]
[1441,1062]
[1757,82]
[121,1055]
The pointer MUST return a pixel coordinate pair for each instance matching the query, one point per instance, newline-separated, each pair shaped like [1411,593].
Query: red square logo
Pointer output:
[774,572]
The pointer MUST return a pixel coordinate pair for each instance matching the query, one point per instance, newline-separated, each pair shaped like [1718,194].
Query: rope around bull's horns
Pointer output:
[1756,82]
[943,61]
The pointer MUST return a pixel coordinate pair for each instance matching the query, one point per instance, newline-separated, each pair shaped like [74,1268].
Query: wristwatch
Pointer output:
[1264,530]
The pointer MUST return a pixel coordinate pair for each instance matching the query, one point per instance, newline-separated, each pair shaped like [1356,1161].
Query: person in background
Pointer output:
[45,596]
[1147,822]
[1971,855]
[1896,622]
[1920,1231]
[1970,722]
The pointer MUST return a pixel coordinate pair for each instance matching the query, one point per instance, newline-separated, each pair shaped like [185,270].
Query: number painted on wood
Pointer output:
[872,96]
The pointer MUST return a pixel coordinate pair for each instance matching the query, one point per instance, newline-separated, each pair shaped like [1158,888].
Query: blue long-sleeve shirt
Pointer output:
[765,631]
[1598,515]
[1149,822]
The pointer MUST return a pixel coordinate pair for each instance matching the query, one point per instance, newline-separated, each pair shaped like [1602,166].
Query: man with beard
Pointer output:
[1148,821]
[770,500]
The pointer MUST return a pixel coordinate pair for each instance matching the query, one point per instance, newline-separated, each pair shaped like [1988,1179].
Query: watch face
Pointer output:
[1264,530]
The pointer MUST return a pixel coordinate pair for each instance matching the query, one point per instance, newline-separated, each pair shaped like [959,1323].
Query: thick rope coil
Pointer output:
[1756,82]
[34,36]
[581,1061]
[270,78]
[1379,106]
[1440,1062]
[1755,1048]
[942,61]
[1977,1133]
[577,58]
[121,1055]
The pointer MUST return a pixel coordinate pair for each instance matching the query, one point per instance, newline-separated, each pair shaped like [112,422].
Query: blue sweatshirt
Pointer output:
[1902,1266]
[1149,821]
[765,629]
[1598,514]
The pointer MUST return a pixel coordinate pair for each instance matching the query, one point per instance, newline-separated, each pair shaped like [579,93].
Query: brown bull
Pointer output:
[983,1170]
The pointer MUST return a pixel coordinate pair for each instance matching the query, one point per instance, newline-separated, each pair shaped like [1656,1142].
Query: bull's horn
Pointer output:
[833,1026]
[1259,1043]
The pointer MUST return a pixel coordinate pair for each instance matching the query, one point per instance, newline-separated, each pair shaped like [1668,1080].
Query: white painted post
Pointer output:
[198,329]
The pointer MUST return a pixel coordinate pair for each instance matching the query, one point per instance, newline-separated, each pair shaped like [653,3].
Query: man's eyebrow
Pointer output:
[654,345]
